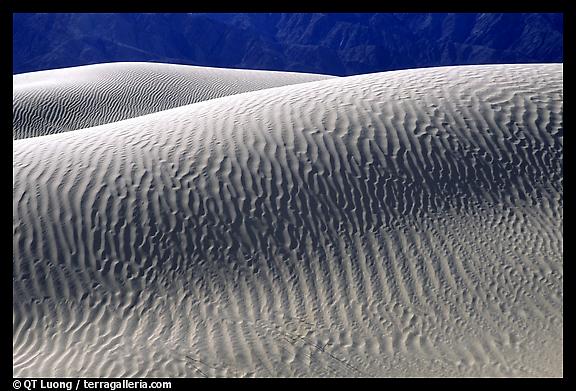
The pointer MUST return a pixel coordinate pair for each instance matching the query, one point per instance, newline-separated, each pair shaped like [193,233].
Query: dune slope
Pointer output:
[61,100]
[403,223]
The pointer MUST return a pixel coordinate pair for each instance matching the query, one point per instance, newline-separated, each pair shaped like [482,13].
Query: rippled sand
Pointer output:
[61,100]
[404,223]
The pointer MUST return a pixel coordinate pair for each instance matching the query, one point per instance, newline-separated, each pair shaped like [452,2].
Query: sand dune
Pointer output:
[62,100]
[403,223]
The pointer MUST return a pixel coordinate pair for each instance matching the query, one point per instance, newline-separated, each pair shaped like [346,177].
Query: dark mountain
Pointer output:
[339,44]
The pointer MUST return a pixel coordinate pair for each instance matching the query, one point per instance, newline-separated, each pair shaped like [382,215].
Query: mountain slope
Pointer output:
[336,44]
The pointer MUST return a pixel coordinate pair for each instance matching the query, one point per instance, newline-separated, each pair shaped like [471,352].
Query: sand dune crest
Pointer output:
[403,223]
[61,100]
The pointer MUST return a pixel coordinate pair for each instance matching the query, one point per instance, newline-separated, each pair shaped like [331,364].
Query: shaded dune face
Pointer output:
[403,223]
[62,100]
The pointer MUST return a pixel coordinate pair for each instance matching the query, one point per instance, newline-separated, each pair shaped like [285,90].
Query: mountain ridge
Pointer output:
[336,44]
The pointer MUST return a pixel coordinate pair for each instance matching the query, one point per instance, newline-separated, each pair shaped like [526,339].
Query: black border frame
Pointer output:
[7,8]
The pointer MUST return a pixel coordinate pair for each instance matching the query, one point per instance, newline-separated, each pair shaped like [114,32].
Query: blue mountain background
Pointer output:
[333,43]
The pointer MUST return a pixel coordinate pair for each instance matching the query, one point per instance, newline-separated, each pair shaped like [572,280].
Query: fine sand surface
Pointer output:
[404,223]
[61,100]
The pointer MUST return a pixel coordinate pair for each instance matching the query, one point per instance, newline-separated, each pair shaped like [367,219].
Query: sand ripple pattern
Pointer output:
[404,223]
[62,100]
